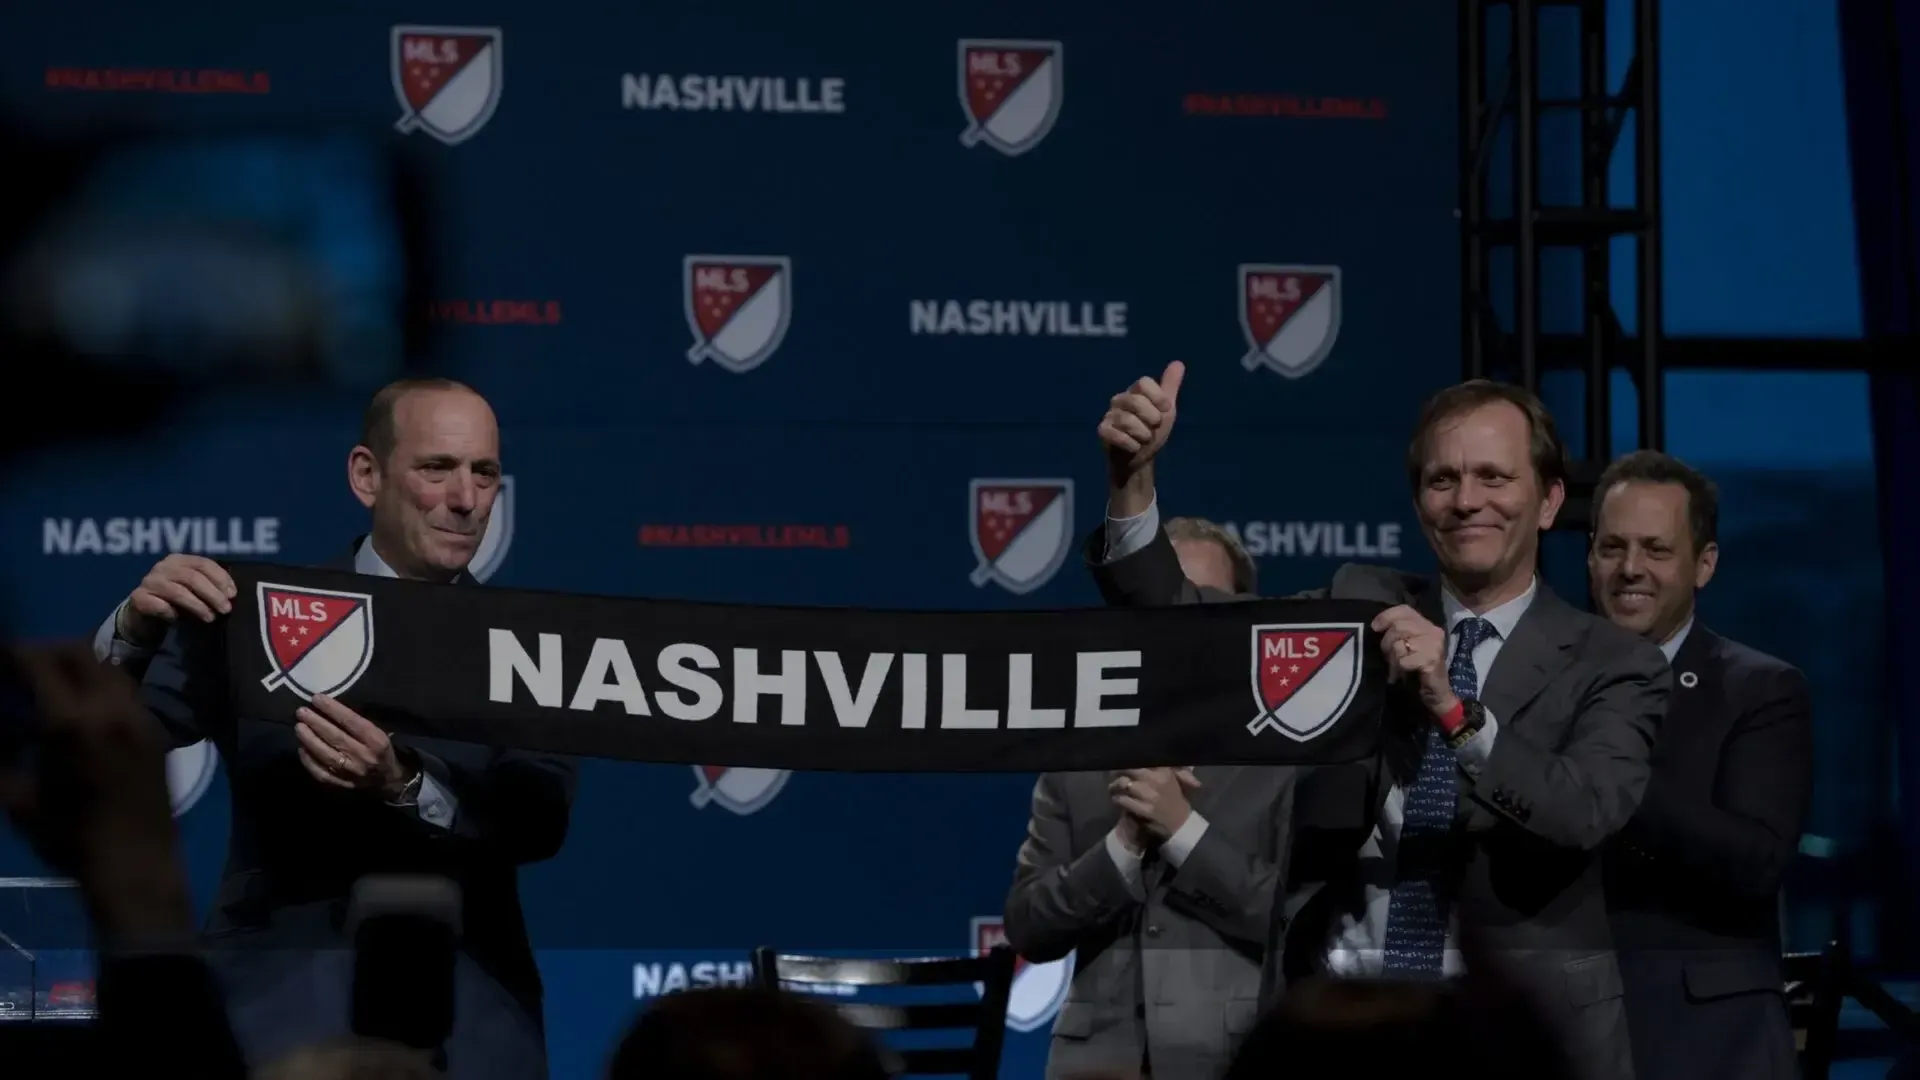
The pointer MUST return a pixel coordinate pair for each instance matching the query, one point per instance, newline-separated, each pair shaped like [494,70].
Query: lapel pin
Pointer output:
[1689,680]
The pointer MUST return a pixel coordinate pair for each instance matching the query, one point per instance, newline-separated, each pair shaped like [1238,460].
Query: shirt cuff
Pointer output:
[1126,536]
[109,648]
[1128,863]
[1473,753]
[1182,842]
[436,804]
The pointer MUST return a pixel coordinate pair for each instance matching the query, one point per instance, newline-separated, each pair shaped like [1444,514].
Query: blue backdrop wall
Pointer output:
[905,265]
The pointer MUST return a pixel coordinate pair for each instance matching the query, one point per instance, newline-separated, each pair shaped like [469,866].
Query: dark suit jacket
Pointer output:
[1694,880]
[297,846]
[1578,702]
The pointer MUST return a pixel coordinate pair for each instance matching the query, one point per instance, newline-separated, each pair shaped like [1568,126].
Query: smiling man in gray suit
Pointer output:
[1518,739]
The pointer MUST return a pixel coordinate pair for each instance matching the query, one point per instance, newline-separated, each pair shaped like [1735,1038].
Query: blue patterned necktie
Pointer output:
[1416,919]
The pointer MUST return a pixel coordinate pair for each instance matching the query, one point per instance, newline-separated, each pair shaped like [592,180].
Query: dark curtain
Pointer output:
[1880,40]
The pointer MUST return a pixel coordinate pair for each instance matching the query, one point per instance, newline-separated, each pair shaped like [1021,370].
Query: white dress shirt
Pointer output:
[1671,647]
[435,804]
[1356,944]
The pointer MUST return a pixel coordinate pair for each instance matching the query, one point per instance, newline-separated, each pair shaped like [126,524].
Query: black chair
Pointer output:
[1816,988]
[986,1017]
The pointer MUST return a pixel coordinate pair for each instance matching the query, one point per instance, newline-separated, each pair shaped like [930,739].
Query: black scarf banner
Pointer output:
[1266,682]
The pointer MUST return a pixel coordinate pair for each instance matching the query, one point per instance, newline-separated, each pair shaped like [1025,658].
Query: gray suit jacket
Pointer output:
[1170,978]
[1578,701]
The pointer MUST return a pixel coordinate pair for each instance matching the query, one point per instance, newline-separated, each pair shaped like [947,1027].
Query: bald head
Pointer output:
[428,467]
[1211,555]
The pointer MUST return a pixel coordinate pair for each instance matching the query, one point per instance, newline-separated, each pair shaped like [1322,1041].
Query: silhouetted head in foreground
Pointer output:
[352,1059]
[744,1033]
[1351,1028]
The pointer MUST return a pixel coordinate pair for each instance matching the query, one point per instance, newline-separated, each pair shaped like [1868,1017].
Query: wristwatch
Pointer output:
[1473,717]
[409,795]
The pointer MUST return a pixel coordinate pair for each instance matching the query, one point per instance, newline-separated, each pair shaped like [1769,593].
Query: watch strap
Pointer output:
[409,795]
[1473,718]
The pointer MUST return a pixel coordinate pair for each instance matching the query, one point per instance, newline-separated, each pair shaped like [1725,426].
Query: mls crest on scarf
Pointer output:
[1011,92]
[447,78]
[317,641]
[738,307]
[1038,989]
[1304,676]
[1021,530]
[1290,315]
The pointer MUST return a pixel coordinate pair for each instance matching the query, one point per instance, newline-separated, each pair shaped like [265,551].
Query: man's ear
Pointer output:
[363,475]
[1705,565]
[1556,498]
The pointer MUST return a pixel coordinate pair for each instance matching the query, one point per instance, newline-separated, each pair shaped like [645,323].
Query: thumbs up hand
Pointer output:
[1137,423]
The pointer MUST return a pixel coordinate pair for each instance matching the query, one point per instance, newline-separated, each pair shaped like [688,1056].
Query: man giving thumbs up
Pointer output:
[1136,426]
[1161,881]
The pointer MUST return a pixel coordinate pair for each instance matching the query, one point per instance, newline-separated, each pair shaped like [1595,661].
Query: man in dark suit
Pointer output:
[1694,880]
[322,803]
[1517,742]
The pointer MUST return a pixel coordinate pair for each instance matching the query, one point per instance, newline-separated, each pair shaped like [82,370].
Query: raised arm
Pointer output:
[1132,560]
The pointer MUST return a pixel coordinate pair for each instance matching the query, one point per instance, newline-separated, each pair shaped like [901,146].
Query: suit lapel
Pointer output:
[1692,711]
[1694,670]
[1541,648]
[345,560]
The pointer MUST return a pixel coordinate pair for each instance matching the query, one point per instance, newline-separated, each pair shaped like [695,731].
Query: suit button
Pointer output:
[1153,931]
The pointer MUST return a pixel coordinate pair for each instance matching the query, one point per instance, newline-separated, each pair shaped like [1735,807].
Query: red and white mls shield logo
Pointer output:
[498,538]
[740,790]
[1291,315]
[1022,531]
[1011,92]
[1304,677]
[448,79]
[1038,989]
[738,307]
[318,641]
